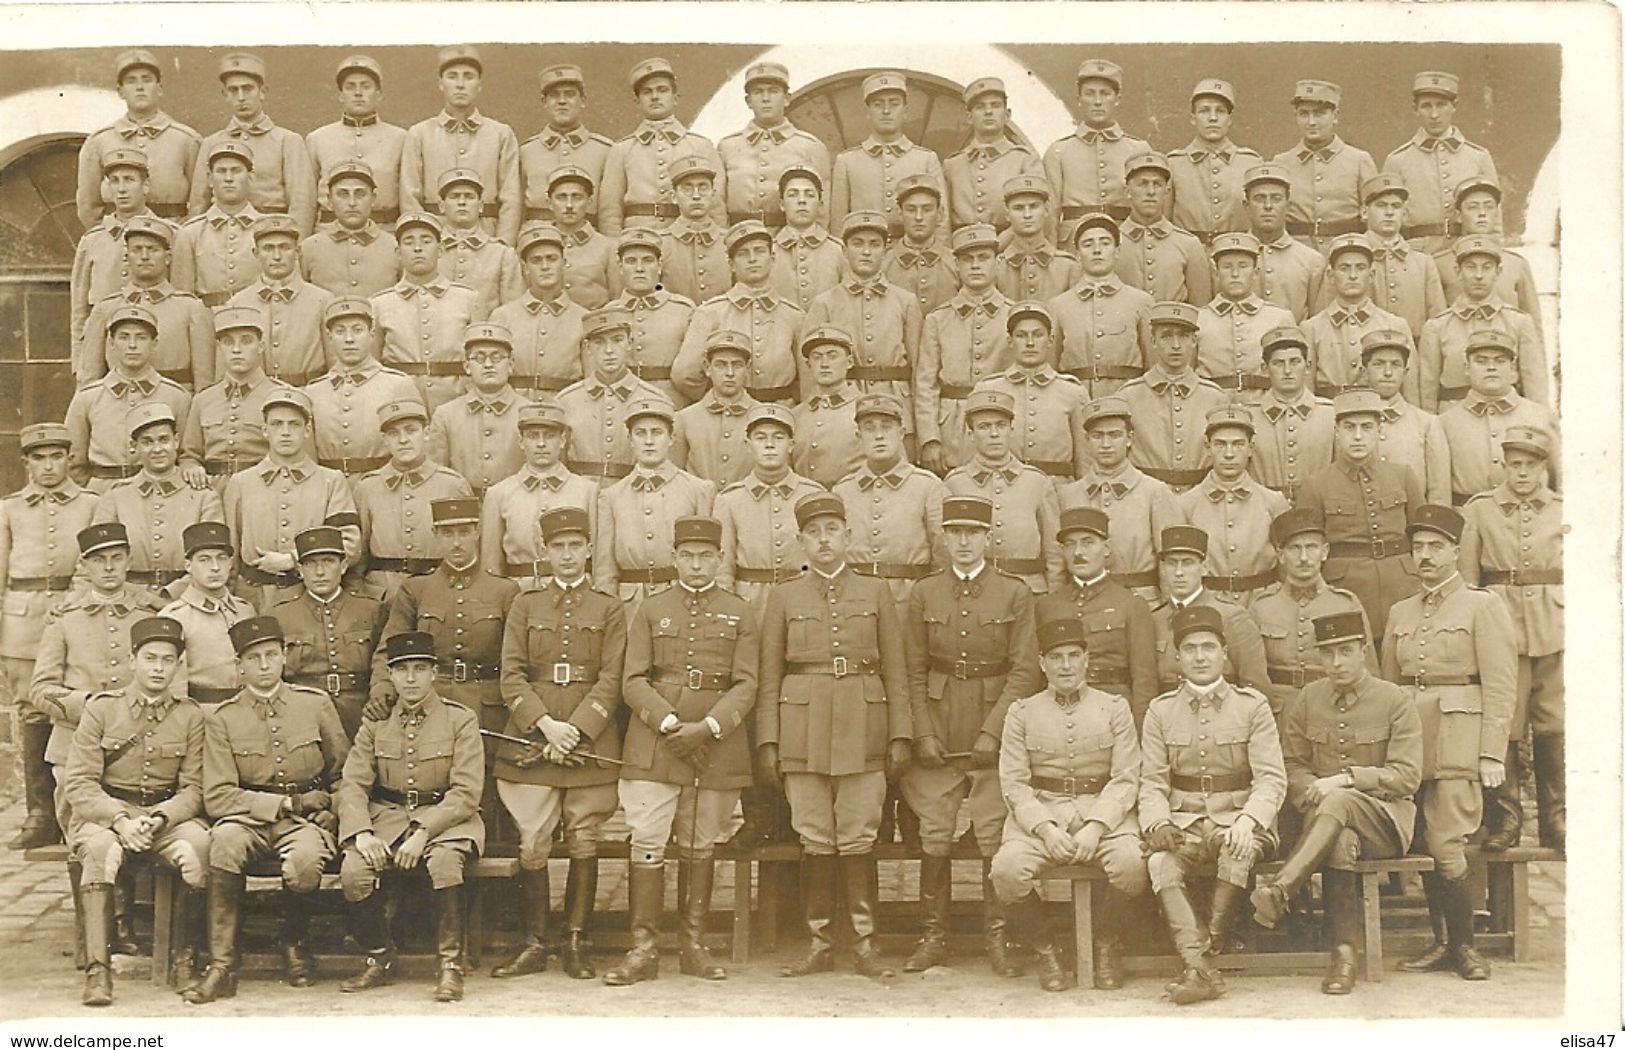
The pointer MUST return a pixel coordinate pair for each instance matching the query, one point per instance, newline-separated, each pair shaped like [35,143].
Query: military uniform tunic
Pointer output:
[484,264]
[1324,198]
[551,149]
[866,177]
[1026,514]
[1166,262]
[1514,285]
[1441,352]
[83,650]
[100,269]
[1474,430]
[360,262]
[208,672]
[1138,508]
[1169,414]
[771,323]
[806,263]
[442,142]
[632,554]
[183,350]
[225,430]
[214,254]
[976,176]
[1236,518]
[884,322]
[659,322]
[760,544]
[292,316]
[1291,274]
[1230,343]
[1365,509]
[693,261]
[477,436]
[828,445]
[1285,615]
[1293,441]
[753,160]
[368,140]
[596,411]
[895,518]
[1085,169]
[1413,439]
[510,540]
[963,342]
[1405,282]
[346,403]
[38,559]
[1431,167]
[98,422]
[397,532]
[927,272]
[171,149]
[155,511]
[269,504]
[546,342]
[636,186]
[1122,638]
[1208,196]
[1048,429]
[1035,271]
[1334,336]
[421,330]
[282,179]
[329,645]
[710,439]
[1244,658]
[1104,330]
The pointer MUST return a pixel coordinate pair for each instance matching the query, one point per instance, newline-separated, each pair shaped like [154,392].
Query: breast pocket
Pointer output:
[541,642]
[804,633]
[859,623]
[1230,743]
[359,645]
[239,432]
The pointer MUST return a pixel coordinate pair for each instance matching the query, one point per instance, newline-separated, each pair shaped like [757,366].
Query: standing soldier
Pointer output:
[1407,436]
[100,267]
[964,341]
[283,180]
[1164,260]
[207,610]
[1105,323]
[469,256]
[289,307]
[809,261]
[710,434]
[1234,510]
[1031,266]
[1478,214]
[659,318]
[694,263]
[1165,403]
[564,140]
[893,508]
[124,800]
[637,182]
[1476,426]
[1293,439]
[755,159]
[1181,552]
[1197,810]
[1207,175]
[977,173]
[330,631]
[1513,545]
[1326,172]
[1086,167]
[751,306]
[359,136]
[460,136]
[1365,504]
[1335,333]
[267,801]
[392,817]
[563,649]
[1442,350]
[1453,649]
[477,435]
[916,261]
[1023,538]
[395,501]
[595,407]
[960,686]
[1290,273]
[829,445]
[544,323]
[867,176]
[883,320]
[214,252]
[100,412]
[1405,280]
[1049,406]
[185,347]
[832,721]
[346,399]
[353,254]
[37,566]
[690,691]
[1353,785]
[1069,803]
[1230,329]
[757,513]
[170,147]
[510,539]
[1435,160]
[423,316]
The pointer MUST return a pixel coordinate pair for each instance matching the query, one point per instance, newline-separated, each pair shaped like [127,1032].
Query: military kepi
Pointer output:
[1194,618]
[157,629]
[819,505]
[696,530]
[455,510]
[973,511]
[206,536]
[323,539]
[1432,517]
[1340,627]
[245,634]
[1083,519]
[1052,634]
[95,538]
[409,645]
[1182,539]
[562,520]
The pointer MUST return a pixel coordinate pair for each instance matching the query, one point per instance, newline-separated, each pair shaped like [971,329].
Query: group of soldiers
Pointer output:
[423,483]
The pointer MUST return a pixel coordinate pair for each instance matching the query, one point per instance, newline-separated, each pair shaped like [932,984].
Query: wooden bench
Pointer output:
[165,885]
[1508,873]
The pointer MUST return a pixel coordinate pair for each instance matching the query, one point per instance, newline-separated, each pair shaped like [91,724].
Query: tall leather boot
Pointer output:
[97,901]
[192,920]
[1437,955]
[369,927]
[1458,922]
[1342,896]
[298,965]
[1272,896]
[75,873]
[755,830]
[1001,957]
[860,880]
[1199,981]
[123,942]
[453,910]
[818,874]
[693,958]
[1503,806]
[646,897]
[580,890]
[1110,907]
[535,902]
[225,911]
[1028,915]
[39,827]
[936,896]
[1221,918]
[1550,790]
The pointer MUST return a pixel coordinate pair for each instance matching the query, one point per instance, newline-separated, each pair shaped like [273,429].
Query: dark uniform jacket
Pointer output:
[293,742]
[431,749]
[330,645]
[1244,660]
[466,612]
[1122,637]
[126,746]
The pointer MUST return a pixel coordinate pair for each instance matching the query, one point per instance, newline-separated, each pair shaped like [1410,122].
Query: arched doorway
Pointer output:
[832,109]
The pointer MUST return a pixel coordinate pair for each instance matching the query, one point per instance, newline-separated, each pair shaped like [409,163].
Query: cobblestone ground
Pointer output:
[37,978]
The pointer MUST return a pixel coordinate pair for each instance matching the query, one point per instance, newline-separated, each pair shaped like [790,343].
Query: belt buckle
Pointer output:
[696,679]
[961,670]
[840,667]
[1300,677]
[561,673]
[459,671]
[1205,783]
[411,798]
[333,683]
[1421,680]
[1512,578]
[1069,785]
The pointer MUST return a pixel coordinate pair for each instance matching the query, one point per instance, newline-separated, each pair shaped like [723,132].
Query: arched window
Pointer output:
[832,109]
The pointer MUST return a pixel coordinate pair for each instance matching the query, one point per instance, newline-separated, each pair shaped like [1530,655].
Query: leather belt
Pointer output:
[565,672]
[1020,566]
[379,215]
[260,578]
[746,575]
[209,694]
[531,213]
[141,796]
[168,211]
[665,575]
[1176,475]
[332,683]
[548,383]
[490,210]
[1241,381]
[1517,577]
[1055,468]
[1104,372]
[1107,675]
[652,373]
[766,218]
[125,470]
[273,209]
[154,577]
[295,378]
[1329,390]
[539,567]
[1288,489]
[1328,228]
[1452,393]
[967,669]
[411,799]
[953,391]
[39,583]
[1078,211]
[183,376]
[1375,549]
[659,211]
[1428,229]
[599,470]
[1235,582]
[1207,785]
[693,678]
[1147,578]
[232,464]
[1422,681]
[410,566]
[467,671]
[880,373]
[1459,499]
[441,369]
[1294,676]
[1074,786]
[290,788]
[890,570]
[784,392]
[838,667]
[354,464]
[213,299]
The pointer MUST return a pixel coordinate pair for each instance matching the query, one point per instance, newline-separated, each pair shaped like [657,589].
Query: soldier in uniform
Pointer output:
[510,539]
[1031,266]
[170,147]
[867,176]
[659,318]
[359,137]
[423,316]
[1086,167]
[290,308]
[977,173]
[1290,273]
[269,795]
[1326,172]
[1453,649]
[563,649]
[755,159]
[1442,349]
[1181,552]
[207,610]
[1406,435]
[1023,539]
[185,344]
[1105,323]
[1513,546]
[1365,504]
[1234,510]
[1069,803]
[963,342]
[563,140]
[1137,505]
[1478,214]
[477,435]
[709,440]
[134,780]
[1475,427]
[37,565]
[395,501]
[460,136]
[331,631]
[1048,431]
[100,413]
[1405,279]
[829,445]
[915,261]
[394,815]
[1230,329]
[225,430]
[345,400]
[1197,810]
[545,324]
[751,306]
[1353,784]
[960,685]
[1435,160]
[1206,175]
[353,254]
[1165,403]
[636,188]
[214,252]
[1164,260]
[694,262]
[832,721]
[100,267]
[757,512]
[690,684]
[468,255]
[808,261]
[595,407]
[1293,436]
[1335,332]
[283,180]
[883,320]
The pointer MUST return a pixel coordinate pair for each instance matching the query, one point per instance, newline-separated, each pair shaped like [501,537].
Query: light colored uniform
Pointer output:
[1169,414]
[100,268]
[362,262]
[208,672]
[1165,261]
[269,504]
[1441,353]
[38,559]
[866,178]
[546,342]
[183,350]
[155,511]
[484,264]
[1293,441]
[98,422]
[693,261]
[1324,199]
[591,276]
[1286,621]
[928,273]
[1104,331]
[962,343]
[1230,343]
[396,530]
[773,325]
[1236,518]
[1085,169]
[1411,438]
[282,181]
[376,143]
[171,149]
[489,147]
[421,328]
[214,254]
[896,523]
[1474,430]
[346,404]
[754,160]
[806,263]
[596,412]
[1048,429]
[1138,507]
[1208,196]
[1406,283]
[1034,271]
[709,439]
[510,541]
[478,437]
[1291,274]
[884,322]
[828,445]
[1431,168]
[292,320]
[632,553]
[1026,514]
[1334,336]
[760,547]
[636,186]
[976,176]
[551,149]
